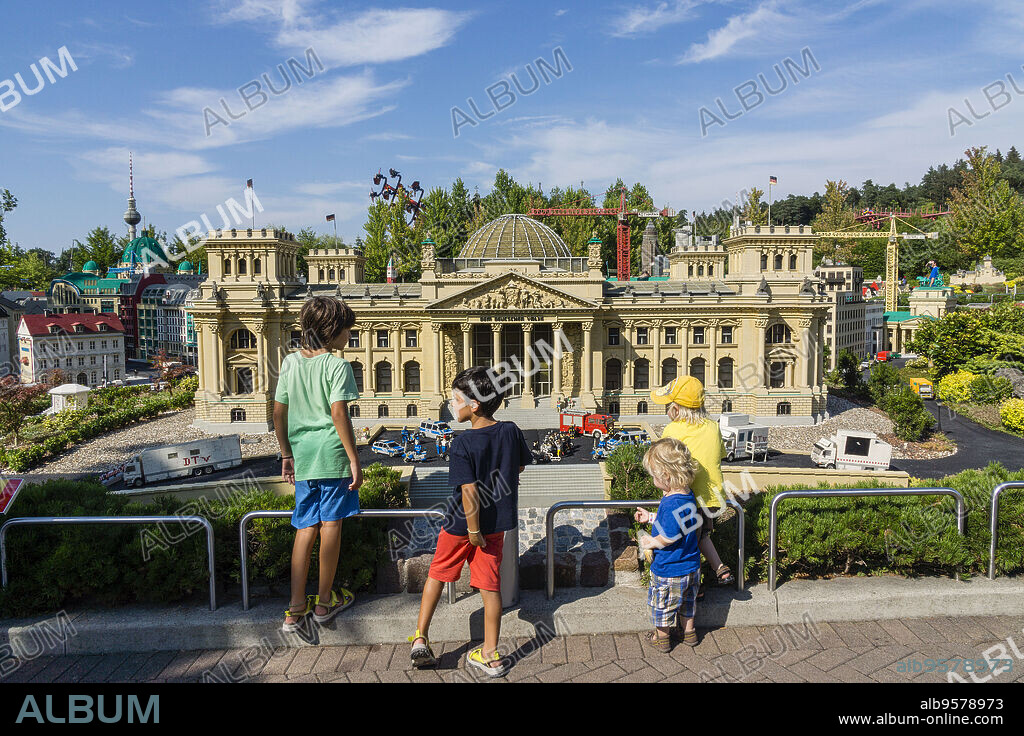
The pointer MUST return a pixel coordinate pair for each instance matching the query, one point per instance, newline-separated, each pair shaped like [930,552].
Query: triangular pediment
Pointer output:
[511,291]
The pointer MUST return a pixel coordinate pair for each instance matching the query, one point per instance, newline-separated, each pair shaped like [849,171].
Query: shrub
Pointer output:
[629,479]
[906,409]
[848,366]
[990,389]
[53,566]
[884,378]
[1011,414]
[955,388]
[918,363]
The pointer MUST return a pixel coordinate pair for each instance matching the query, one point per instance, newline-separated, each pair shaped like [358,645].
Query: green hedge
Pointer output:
[908,535]
[89,423]
[52,567]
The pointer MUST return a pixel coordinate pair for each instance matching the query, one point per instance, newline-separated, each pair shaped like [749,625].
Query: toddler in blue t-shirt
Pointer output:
[675,562]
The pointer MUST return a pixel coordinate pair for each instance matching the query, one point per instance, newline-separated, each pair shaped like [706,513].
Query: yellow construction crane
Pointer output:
[892,256]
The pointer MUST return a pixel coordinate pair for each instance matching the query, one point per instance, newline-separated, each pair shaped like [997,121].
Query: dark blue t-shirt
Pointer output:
[677,519]
[491,458]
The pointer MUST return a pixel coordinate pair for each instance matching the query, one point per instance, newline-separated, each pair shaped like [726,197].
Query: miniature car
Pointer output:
[436,429]
[386,447]
[635,436]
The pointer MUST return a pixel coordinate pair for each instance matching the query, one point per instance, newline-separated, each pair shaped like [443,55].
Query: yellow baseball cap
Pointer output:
[686,391]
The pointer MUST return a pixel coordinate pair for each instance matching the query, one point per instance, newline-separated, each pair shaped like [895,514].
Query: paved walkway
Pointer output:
[810,652]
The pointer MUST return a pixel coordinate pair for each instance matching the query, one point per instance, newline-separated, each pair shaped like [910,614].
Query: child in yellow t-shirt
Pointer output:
[684,400]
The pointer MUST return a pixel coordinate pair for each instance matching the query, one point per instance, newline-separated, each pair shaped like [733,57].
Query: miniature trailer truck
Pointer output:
[200,457]
[742,437]
[849,450]
[596,425]
[922,387]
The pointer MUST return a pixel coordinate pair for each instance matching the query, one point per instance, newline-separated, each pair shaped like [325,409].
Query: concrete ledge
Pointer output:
[377,619]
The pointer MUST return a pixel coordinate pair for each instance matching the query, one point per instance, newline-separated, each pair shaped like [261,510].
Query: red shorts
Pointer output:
[484,562]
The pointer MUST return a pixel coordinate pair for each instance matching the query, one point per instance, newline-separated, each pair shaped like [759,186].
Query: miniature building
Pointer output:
[88,348]
[984,274]
[514,295]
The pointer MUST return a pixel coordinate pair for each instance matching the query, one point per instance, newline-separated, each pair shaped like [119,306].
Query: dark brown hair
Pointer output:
[322,319]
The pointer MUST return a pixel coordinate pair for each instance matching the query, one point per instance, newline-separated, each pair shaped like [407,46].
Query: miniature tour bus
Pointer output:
[596,425]
[741,437]
[200,457]
[849,450]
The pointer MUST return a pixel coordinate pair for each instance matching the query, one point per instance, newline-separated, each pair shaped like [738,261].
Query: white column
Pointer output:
[712,336]
[556,366]
[684,348]
[760,325]
[496,344]
[628,357]
[369,375]
[438,363]
[398,379]
[654,378]
[467,357]
[527,401]
[588,358]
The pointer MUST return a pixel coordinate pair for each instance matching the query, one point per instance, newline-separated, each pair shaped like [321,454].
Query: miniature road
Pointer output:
[866,651]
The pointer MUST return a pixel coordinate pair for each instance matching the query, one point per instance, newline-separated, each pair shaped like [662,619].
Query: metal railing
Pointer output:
[549,523]
[243,534]
[39,520]
[773,530]
[992,522]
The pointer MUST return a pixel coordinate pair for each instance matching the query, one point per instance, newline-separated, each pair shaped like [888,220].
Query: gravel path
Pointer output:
[111,450]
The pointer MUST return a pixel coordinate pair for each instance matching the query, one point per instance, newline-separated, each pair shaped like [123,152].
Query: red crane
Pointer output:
[622,231]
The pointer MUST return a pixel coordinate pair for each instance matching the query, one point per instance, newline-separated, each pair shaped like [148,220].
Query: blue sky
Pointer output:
[877,108]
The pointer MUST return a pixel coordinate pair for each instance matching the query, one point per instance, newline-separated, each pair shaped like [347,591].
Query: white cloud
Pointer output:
[647,19]
[764,20]
[559,13]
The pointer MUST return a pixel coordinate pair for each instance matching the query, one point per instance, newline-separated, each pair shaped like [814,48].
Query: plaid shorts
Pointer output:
[668,597]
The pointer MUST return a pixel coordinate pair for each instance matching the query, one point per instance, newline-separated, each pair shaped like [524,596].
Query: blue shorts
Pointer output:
[326,499]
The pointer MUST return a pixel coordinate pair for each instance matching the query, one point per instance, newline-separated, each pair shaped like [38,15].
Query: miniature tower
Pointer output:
[131,215]
[648,247]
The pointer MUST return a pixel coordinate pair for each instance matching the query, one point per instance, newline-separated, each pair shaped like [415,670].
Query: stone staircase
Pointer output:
[539,485]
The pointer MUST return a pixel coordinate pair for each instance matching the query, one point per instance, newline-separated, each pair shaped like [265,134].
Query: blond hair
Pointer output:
[679,413]
[669,458]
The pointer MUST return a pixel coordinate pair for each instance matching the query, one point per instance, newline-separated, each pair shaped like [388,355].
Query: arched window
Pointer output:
[257,266]
[353,410]
[689,270]
[320,273]
[764,261]
[727,406]
[242,339]
[779,334]
[382,411]
[613,407]
[227,266]
[613,375]
[700,270]
[330,275]
[410,410]
[641,407]
[792,261]
[711,270]
[241,267]
[697,369]
[725,373]
[238,415]
[778,261]
[642,374]
[383,376]
[357,373]
[783,409]
[669,371]
[412,377]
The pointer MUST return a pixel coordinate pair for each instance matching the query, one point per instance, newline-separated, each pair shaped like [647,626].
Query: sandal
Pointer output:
[422,655]
[724,575]
[300,615]
[476,659]
[335,607]
[662,643]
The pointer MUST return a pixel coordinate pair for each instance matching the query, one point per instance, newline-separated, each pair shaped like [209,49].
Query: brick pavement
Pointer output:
[866,651]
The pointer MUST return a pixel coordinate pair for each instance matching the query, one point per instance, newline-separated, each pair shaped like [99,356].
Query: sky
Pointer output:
[671,93]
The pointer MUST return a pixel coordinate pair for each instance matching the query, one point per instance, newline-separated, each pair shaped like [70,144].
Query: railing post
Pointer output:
[993,523]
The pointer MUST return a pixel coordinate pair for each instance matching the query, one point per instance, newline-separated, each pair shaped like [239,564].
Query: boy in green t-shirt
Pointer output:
[318,452]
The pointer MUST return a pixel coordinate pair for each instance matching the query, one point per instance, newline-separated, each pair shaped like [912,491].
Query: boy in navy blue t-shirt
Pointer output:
[675,568]
[484,464]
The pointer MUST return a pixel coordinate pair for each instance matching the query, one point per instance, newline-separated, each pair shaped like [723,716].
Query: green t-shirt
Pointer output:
[309,386]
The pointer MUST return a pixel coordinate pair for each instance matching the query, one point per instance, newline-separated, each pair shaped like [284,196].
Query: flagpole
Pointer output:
[335,221]
[769,203]
[251,205]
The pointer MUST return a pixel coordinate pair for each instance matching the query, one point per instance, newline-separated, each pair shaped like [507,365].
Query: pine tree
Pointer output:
[376,249]
[987,216]
[835,215]
[754,210]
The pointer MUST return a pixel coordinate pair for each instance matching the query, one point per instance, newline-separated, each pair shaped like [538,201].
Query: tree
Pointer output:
[987,216]
[835,214]
[754,211]
[376,248]
[849,368]
[168,372]
[7,204]
[100,246]
[17,403]
[34,272]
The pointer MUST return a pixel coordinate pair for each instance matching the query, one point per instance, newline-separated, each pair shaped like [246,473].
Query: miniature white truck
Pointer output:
[741,437]
[178,461]
[849,450]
